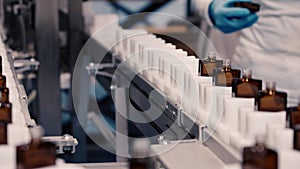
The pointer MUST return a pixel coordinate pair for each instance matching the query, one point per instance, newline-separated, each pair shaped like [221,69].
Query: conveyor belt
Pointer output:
[18,132]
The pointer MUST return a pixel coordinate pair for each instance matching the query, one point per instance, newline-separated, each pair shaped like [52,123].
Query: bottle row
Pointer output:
[34,154]
[227,100]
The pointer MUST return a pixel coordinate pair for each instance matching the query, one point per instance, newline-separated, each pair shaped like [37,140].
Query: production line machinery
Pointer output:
[199,123]
[18,131]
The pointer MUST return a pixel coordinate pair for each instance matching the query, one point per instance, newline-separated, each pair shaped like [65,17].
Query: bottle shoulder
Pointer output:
[40,145]
[212,61]
[281,93]
[259,151]
[274,94]
[255,80]
[226,70]
[295,109]
[5,105]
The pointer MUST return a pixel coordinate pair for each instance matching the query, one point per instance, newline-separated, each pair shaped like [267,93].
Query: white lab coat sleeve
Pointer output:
[202,8]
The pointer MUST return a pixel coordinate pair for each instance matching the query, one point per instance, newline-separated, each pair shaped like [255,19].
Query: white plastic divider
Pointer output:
[123,44]
[258,121]
[203,82]
[194,94]
[238,142]
[192,64]
[223,132]
[155,55]
[231,110]
[135,52]
[170,92]
[220,103]
[164,68]
[211,94]
[146,52]
[279,137]
[8,157]
[17,135]
[284,139]
[243,119]
[288,159]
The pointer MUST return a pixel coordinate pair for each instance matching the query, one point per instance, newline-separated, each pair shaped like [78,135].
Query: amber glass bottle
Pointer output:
[224,76]
[1,64]
[138,163]
[5,106]
[270,99]
[209,64]
[297,137]
[140,157]
[2,77]
[3,133]
[259,157]
[37,153]
[5,114]
[246,87]
[293,115]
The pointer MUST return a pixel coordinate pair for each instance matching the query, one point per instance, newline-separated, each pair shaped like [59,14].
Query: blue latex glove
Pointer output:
[228,18]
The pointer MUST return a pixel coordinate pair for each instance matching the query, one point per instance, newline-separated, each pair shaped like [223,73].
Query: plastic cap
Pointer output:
[247,73]
[260,138]
[227,62]
[212,54]
[36,132]
[270,85]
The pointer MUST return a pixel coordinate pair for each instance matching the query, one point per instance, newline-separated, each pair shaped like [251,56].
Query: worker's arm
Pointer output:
[222,14]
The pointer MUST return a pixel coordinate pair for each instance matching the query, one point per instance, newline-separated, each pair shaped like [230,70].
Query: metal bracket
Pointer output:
[24,107]
[180,117]
[23,65]
[96,68]
[64,144]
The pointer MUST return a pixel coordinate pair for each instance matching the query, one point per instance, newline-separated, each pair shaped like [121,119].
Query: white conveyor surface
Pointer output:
[187,155]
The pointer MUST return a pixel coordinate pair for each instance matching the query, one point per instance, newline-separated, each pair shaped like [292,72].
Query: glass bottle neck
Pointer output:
[260,143]
[211,58]
[4,95]
[260,147]
[247,74]
[226,67]
[35,141]
[270,91]
[246,78]
[270,87]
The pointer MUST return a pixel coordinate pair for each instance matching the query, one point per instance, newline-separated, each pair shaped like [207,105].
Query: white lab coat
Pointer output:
[271,47]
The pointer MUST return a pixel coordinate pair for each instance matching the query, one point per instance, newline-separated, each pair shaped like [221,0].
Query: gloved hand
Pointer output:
[228,18]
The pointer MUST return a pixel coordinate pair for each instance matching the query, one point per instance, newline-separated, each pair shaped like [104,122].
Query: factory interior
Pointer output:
[140,84]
